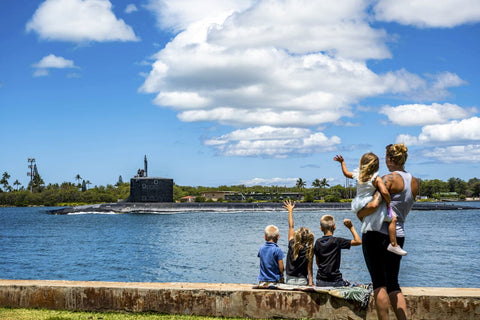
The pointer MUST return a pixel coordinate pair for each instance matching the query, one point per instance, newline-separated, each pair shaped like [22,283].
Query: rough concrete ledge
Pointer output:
[226,300]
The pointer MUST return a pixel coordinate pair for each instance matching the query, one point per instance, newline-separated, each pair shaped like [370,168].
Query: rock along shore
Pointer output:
[167,207]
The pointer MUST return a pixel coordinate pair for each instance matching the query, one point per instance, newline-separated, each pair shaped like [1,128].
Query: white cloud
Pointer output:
[51,62]
[337,27]
[428,13]
[272,142]
[131,8]
[430,88]
[270,182]
[79,21]
[179,14]
[455,154]
[421,114]
[274,63]
[454,132]
[41,73]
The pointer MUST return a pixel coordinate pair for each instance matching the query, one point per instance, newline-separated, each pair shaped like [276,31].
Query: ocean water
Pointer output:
[217,247]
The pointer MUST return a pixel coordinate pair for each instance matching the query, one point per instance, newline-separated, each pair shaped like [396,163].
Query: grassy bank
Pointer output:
[42,314]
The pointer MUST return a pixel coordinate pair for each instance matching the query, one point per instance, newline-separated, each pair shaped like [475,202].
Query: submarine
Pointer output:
[155,195]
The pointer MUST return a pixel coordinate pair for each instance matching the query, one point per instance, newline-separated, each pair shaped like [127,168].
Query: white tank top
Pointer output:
[401,204]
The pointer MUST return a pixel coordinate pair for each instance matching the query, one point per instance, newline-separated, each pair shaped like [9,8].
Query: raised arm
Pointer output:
[356,238]
[345,171]
[287,204]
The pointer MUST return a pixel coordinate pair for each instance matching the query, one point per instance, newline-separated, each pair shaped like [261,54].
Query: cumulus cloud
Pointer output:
[79,21]
[177,15]
[51,62]
[285,64]
[455,154]
[421,114]
[131,8]
[428,13]
[272,142]
[430,88]
[270,182]
[466,131]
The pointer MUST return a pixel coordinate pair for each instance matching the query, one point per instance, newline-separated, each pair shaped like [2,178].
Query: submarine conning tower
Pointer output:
[150,189]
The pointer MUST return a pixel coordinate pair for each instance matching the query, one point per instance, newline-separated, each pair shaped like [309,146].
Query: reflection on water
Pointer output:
[442,246]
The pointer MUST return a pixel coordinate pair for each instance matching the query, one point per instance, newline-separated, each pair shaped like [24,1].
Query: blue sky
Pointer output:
[224,92]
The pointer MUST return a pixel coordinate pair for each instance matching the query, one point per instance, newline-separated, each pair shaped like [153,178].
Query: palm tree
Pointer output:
[17,183]
[4,181]
[324,183]
[317,185]
[78,178]
[300,183]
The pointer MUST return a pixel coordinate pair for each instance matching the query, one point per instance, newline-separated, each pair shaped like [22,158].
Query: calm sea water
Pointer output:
[443,246]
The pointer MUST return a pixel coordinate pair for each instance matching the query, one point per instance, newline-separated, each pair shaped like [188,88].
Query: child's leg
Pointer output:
[392,231]
[392,234]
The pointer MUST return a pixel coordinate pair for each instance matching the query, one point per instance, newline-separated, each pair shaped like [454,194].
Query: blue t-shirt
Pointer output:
[269,255]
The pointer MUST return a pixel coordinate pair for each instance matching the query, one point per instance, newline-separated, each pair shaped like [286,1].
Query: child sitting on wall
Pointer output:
[328,252]
[271,258]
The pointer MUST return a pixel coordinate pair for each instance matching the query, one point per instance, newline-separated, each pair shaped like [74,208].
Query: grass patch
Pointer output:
[43,314]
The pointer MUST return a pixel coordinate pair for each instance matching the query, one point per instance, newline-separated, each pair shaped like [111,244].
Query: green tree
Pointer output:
[309,197]
[78,178]
[17,184]
[37,182]
[4,181]
[317,185]
[300,183]
[324,183]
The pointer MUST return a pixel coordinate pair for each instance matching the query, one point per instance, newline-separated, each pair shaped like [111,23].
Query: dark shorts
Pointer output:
[382,265]
[337,283]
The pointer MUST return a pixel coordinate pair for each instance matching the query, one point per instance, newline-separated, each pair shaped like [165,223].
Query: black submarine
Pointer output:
[155,195]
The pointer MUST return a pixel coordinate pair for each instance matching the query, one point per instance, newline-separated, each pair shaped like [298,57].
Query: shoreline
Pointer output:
[172,207]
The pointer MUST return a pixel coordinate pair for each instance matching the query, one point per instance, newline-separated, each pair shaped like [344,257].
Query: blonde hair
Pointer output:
[303,239]
[397,153]
[271,233]
[369,164]
[327,223]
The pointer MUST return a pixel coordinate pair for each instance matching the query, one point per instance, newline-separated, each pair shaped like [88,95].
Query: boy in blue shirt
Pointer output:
[271,258]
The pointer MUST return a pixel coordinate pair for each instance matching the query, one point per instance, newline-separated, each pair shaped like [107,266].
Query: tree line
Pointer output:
[69,193]
[36,193]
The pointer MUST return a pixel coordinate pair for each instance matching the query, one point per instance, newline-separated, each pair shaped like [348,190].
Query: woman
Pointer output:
[383,265]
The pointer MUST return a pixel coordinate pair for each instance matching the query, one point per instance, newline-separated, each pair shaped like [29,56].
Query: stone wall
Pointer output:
[226,300]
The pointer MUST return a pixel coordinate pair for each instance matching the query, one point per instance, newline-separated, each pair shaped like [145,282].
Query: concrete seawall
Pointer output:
[226,300]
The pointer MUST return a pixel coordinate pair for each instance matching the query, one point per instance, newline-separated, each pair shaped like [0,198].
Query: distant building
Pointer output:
[215,195]
[238,196]
[187,199]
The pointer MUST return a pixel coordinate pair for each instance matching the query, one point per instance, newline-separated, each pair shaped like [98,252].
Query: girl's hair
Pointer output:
[397,153]
[369,164]
[303,239]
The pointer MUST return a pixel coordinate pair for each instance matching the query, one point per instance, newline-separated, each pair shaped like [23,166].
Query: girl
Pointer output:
[300,252]
[368,182]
